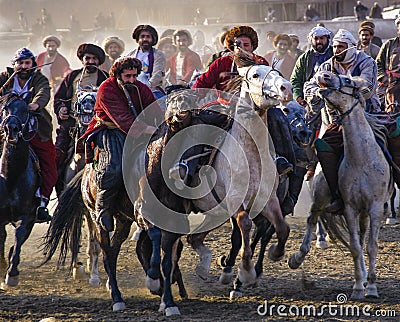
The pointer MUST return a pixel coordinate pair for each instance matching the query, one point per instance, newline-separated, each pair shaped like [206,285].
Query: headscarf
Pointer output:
[346,37]
[21,54]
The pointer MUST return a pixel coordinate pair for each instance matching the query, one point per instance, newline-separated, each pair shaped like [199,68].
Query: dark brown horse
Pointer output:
[19,181]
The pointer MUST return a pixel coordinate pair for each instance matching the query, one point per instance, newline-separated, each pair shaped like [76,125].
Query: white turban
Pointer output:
[318,31]
[346,37]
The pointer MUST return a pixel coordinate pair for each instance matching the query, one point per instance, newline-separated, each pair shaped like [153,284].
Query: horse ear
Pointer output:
[242,70]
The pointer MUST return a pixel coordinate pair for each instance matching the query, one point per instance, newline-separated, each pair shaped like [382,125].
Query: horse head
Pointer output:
[84,106]
[265,86]
[14,117]
[341,92]
[179,109]
[296,114]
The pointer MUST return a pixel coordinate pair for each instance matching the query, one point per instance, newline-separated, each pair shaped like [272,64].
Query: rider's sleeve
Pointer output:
[298,76]
[193,62]
[158,73]
[381,62]
[41,95]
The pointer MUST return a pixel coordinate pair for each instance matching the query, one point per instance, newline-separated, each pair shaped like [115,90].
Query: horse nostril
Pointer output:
[283,88]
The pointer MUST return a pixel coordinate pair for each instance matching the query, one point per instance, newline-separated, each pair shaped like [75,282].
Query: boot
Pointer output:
[283,166]
[106,220]
[42,213]
[329,163]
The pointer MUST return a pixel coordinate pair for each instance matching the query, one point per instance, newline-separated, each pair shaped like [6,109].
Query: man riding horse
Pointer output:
[244,40]
[347,60]
[120,99]
[24,80]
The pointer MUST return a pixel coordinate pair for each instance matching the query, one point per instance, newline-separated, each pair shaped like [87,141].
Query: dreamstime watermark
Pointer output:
[331,309]
[245,162]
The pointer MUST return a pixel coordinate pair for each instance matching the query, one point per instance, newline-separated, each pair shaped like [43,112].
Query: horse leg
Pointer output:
[320,232]
[197,243]
[22,233]
[93,252]
[177,274]
[296,259]
[264,231]
[372,249]
[353,222]
[167,242]
[153,274]
[391,220]
[3,262]
[274,215]
[227,262]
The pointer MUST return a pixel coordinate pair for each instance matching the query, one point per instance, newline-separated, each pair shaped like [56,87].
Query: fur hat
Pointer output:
[136,33]
[180,32]
[282,37]
[23,53]
[367,25]
[241,31]
[113,40]
[51,38]
[91,49]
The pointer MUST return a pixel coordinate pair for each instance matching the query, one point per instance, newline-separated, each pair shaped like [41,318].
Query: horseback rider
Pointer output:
[89,76]
[305,68]
[25,80]
[120,99]
[244,38]
[153,60]
[347,60]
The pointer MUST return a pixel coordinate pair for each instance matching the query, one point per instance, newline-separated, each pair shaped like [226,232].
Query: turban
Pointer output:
[367,25]
[51,38]
[91,49]
[346,37]
[318,31]
[136,33]
[113,40]
[23,53]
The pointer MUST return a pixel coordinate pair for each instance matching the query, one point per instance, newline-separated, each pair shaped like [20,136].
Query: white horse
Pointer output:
[364,181]
[244,178]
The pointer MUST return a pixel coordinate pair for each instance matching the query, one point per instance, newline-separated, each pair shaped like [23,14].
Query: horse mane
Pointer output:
[379,124]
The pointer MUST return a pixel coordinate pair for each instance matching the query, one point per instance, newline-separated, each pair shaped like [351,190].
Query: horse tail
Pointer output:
[336,227]
[66,223]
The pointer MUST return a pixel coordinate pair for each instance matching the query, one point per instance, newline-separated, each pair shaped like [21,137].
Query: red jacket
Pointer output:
[191,61]
[220,72]
[112,108]
[58,69]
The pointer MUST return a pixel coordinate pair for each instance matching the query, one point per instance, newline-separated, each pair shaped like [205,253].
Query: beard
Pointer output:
[25,74]
[129,86]
[114,55]
[146,46]
[91,68]
[320,48]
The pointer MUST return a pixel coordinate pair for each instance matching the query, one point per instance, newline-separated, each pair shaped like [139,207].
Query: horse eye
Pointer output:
[256,76]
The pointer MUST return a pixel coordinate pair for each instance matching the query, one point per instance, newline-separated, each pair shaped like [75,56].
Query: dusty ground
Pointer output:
[46,292]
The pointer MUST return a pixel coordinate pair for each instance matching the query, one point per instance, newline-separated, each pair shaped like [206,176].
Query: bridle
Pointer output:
[22,125]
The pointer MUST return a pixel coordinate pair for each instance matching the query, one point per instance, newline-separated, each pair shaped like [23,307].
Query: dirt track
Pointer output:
[46,292]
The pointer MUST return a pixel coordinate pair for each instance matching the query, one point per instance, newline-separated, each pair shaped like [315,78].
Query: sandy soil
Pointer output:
[46,292]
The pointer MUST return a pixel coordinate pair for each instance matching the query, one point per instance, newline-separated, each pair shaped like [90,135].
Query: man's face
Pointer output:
[243,42]
[319,43]
[365,37]
[295,43]
[113,50]
[182,42]
[90,60]
[145,40]
[282,47]
[22,66]
[128,77]
[51,48]
[338,48]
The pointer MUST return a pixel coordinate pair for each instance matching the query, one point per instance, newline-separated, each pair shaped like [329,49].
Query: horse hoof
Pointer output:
[119,306]
[272,256]
[94,281]
[247,277]
[153,285]
[226,276]
[390,221]
[78,273]
[357,295]
[173,310]
[162,307]
[233,295]
[322,244]
[372,292]
[136,234]
[293,262]
[11,280]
